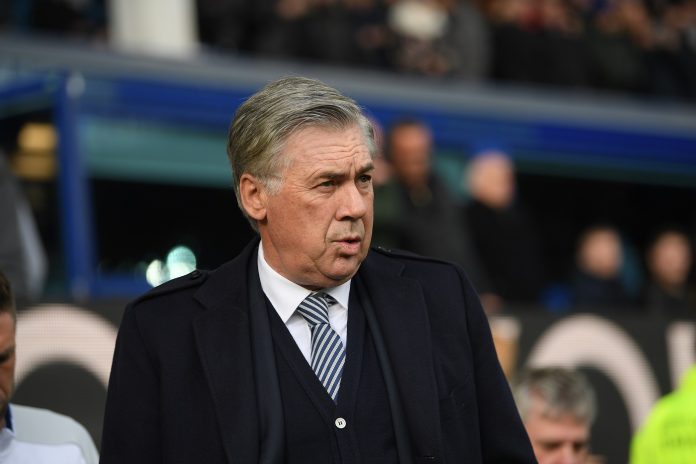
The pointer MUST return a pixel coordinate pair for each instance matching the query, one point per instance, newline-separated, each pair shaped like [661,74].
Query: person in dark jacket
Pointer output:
[309,346]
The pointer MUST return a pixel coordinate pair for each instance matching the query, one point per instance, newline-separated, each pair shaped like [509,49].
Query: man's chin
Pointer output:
[348,268]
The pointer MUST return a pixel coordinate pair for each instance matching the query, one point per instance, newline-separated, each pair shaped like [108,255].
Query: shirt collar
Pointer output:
[285,295]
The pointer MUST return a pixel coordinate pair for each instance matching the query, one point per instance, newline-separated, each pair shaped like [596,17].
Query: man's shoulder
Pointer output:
[431,272]
[440,280]
[42,426]
[28,418]
[221,279]
[180,285]
[408,257]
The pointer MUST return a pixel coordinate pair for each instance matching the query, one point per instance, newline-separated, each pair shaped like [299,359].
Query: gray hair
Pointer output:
[268,118]
[561,392]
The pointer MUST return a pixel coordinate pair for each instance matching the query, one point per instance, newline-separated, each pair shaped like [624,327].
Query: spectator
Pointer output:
[502,233]
[439,38]
[538,41]
[28,434]
[620,36]
[414,210]
[669,261]
[557,406]
[597,282]
[227,24]
[668,435]
[673,58]
[347,32]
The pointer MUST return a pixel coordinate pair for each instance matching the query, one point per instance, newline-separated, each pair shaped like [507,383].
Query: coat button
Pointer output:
[340,423]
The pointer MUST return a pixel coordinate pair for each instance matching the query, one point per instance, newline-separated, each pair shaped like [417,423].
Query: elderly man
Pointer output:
[557,406]
[309,346]
[31,435]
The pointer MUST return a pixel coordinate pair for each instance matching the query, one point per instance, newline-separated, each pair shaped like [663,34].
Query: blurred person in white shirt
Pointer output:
[32,435]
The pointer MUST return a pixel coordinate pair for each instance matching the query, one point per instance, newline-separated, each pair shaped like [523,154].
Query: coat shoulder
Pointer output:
[434,272]
[405,256]
[188,282]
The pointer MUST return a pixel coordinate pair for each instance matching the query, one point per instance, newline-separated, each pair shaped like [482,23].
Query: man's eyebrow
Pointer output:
[329,175]
[368,167]
[550,443]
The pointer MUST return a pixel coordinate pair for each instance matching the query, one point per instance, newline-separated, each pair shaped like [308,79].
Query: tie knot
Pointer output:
[315,308]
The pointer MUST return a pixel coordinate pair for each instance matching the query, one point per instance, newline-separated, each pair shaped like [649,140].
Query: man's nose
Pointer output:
[353,203]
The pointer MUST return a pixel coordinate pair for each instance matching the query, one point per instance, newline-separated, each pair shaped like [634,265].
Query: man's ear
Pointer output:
[253,195]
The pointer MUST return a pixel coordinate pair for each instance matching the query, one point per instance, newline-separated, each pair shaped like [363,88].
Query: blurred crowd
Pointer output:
[642,46]
[646,47]
[498,243]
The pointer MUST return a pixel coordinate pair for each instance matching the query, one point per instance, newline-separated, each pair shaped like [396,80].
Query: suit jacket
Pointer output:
[183,386]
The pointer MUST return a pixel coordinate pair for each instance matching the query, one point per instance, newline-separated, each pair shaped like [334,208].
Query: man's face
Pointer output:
[410,155]
[7,362]
[563,440]
[670,259]
[316,230]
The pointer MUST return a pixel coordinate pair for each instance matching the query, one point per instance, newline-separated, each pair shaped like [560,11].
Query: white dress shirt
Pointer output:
[45,437]
[286,296]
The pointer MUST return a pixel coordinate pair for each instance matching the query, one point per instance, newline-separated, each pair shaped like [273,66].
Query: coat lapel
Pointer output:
[224,346]
[401,311]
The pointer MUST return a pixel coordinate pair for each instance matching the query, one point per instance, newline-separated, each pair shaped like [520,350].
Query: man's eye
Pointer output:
[328,183]
[580,447]
[551,445]
[365,178]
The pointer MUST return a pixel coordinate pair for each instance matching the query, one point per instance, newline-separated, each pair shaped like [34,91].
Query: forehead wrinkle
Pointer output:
[334,153]
[325,156]
[331,173]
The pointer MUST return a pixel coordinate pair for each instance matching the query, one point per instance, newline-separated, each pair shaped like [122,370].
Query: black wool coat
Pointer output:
[183,388]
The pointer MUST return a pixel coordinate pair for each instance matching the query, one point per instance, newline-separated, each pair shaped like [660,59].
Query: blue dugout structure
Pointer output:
[165,121]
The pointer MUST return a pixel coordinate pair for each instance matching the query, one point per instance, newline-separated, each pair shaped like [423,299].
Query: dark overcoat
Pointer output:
[183,389]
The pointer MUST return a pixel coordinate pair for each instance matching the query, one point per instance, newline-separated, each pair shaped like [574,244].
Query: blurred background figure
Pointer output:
[32,435]
[439,38]
[339,32]
[625,46]
[538,41]
[669,261]
[22,256]
[668,435]
[597,281]
[502,233]
[226,23]
[557,406]
[414,211]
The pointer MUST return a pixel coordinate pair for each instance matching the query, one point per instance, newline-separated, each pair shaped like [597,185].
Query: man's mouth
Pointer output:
[350,245]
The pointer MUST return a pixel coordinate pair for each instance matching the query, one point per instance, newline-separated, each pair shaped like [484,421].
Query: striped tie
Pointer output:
[328,354]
